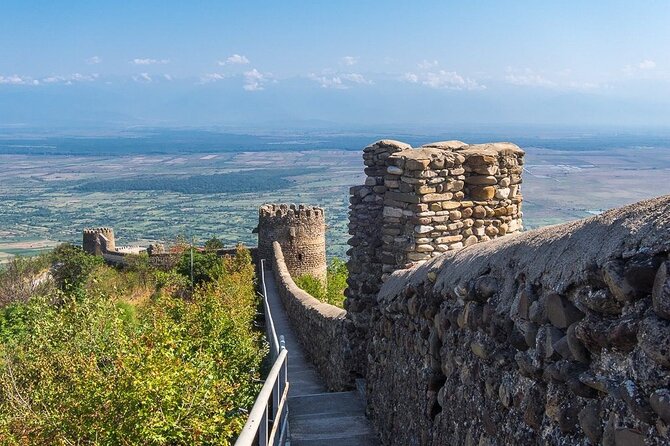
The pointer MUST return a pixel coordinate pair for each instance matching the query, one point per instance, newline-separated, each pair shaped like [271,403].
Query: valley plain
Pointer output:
[49,198]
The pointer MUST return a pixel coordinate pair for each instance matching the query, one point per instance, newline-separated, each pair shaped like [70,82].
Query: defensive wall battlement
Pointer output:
[418,203]
[301,232]
[553,336]
[97,241]
[102,242]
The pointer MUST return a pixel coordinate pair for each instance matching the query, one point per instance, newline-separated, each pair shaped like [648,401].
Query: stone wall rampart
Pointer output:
[418,203]
[554,336]
[320,327]
[97,241]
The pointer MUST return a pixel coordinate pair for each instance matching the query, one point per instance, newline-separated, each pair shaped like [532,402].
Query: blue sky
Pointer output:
[345,62]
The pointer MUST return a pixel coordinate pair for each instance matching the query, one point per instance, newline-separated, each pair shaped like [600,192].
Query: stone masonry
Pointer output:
[301,232]
[419,203]
[97,241]
[557,336]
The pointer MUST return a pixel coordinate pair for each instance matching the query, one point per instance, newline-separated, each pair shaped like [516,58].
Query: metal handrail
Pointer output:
[268,420]
[269,322]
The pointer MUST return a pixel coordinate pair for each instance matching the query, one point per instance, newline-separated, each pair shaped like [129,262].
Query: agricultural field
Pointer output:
[48,198]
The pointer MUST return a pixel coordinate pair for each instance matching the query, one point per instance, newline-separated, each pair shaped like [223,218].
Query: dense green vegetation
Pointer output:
[333,292]
[243,181]
[131,356]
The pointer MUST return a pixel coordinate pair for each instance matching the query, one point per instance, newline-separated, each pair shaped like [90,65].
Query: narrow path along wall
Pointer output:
[319,326]
[555,336]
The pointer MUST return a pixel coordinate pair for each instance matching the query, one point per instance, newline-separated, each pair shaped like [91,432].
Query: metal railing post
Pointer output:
[260,429]
[263,430]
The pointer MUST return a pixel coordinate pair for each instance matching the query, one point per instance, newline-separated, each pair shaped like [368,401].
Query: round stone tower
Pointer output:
[300,231]
[97,241]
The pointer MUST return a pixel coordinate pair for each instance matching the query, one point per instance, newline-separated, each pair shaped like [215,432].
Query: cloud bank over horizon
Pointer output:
[326,63]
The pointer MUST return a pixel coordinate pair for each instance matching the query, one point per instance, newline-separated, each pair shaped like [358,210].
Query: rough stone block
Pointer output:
[482,193]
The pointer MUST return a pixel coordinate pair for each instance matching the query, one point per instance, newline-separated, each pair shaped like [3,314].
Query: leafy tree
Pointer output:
[164,371]
[72,266]
[140,266]
[213,244]
[207,266]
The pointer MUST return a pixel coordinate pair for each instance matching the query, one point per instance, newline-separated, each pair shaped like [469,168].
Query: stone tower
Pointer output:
[97,241]
[301,232]
[418,203]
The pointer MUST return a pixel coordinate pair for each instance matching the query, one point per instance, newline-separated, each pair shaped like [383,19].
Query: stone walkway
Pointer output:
[316,417]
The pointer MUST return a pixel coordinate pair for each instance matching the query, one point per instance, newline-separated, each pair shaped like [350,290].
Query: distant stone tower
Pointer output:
[301,232]
[97,241]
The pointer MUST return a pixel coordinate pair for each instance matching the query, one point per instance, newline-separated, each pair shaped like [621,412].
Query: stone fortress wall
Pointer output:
[557,336]
[301,232]
[419,203]
[554,336]
[97,241]
[101,241]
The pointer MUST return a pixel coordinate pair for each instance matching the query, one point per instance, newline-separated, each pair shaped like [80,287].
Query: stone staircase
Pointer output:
[329,419]
[316,417]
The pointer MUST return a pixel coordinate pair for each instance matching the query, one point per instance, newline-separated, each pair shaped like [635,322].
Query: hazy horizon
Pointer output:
[352,65]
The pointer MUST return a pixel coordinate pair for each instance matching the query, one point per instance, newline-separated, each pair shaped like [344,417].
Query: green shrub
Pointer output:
[333,292]
[312,285]
[337,282]
[95,370]
[213,244]
[207,266]
[72,266]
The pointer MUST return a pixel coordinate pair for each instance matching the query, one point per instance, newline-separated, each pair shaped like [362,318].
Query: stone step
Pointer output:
[354,440]
[331,403]
[331,430]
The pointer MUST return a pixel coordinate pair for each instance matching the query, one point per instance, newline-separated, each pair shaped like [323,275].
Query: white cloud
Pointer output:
[451,80]
[349,60]
[647,65]
[356,78]
[427,64]
[411,77]
[585,85]
[167,77]
[142,77]
[328,81]
[94,60]
[528,78]
[15,79]
[150,61]
[254,80]
[637,69]
[339,81]
[211,77]
[69,80]
[443,80]
[235,59]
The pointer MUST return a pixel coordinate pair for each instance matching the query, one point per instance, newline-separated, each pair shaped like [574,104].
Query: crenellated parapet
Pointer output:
[445,196]
[301,232]
[98,241]
[417,204]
